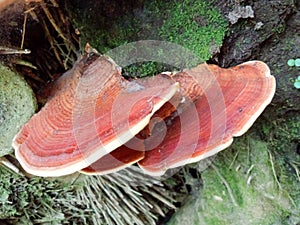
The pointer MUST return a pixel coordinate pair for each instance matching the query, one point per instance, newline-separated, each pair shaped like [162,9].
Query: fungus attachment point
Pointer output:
[92,112]
[228,103]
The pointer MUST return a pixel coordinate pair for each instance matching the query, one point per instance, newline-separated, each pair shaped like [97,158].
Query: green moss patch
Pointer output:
[244,185]
[17,105]
[194,25]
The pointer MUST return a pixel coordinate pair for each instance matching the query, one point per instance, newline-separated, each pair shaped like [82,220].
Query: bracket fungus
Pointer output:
[229,102]
[93,111]
[96,122]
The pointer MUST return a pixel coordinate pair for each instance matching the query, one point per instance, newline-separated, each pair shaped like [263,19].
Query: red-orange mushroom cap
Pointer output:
[229,102]
[93,112]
